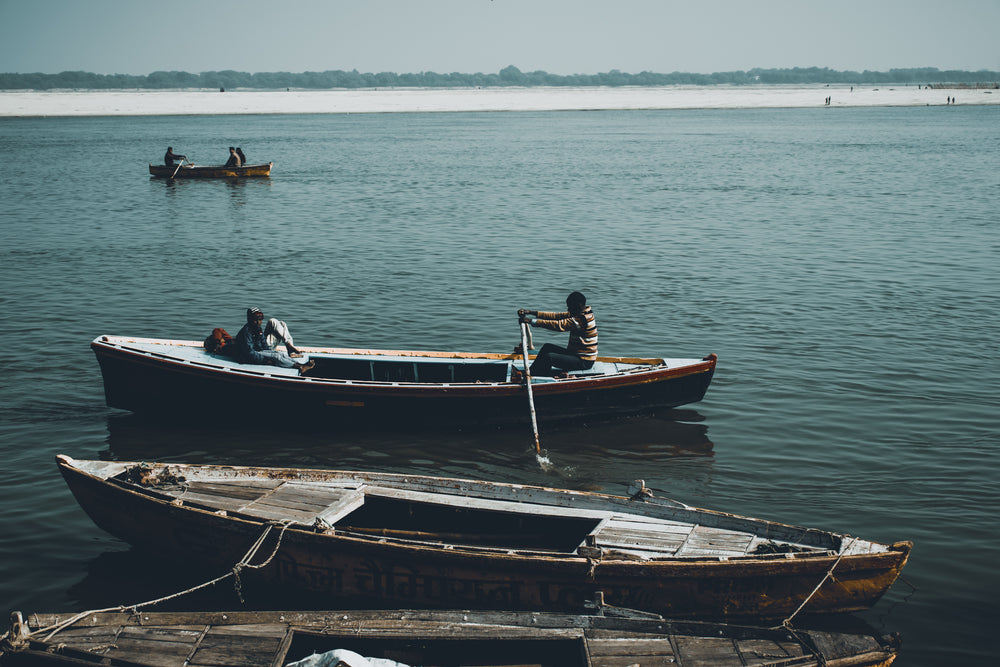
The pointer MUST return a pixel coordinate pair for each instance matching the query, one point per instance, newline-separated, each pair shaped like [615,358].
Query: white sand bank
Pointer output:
[142,103]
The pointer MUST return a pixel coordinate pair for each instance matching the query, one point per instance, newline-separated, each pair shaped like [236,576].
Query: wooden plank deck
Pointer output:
[304,502]
[623,652]
[275,499]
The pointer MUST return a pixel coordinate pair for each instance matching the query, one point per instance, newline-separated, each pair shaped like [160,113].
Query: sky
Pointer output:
[468,36]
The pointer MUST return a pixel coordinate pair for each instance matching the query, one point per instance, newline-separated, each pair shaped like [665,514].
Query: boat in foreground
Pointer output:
[212,171]
[383,387]
[410,540]
[427,638]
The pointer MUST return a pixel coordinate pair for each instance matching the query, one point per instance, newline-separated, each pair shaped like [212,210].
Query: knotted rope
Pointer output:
[234,572]
[787,623]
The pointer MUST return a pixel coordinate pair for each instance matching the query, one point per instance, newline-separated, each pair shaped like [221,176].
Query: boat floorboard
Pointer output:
[304,502]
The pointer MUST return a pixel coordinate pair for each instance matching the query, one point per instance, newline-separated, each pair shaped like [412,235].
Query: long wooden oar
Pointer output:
[527,383]
[178,167]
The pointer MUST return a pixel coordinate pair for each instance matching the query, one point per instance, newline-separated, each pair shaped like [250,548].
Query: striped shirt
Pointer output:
[582,331]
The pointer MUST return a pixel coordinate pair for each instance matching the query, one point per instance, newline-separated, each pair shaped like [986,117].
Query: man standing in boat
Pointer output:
[170,157]
[256,344]
[581,352]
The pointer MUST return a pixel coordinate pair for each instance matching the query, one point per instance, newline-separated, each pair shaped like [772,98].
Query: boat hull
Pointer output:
[150,383]
[192,171]
[346,568]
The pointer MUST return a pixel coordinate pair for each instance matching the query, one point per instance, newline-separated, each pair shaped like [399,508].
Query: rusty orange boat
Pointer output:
[411,540]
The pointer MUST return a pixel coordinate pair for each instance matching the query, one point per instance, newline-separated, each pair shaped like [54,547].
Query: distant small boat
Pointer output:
[361,638]
[382,387]
[413,540]
[198,171]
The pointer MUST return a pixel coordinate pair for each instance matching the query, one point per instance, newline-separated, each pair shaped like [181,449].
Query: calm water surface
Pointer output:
[841,263]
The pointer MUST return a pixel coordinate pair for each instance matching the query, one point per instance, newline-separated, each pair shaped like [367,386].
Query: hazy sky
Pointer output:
[558,36]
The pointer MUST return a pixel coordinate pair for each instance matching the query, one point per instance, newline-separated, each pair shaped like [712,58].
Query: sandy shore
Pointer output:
[185,102]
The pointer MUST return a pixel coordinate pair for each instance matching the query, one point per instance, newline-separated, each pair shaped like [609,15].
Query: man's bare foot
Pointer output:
[292,351]
[306,367]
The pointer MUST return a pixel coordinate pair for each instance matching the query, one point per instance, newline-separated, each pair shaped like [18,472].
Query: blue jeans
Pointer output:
[277,358]
[552,356]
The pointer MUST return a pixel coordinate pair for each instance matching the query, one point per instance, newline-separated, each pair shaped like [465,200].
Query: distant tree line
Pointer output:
[508,76]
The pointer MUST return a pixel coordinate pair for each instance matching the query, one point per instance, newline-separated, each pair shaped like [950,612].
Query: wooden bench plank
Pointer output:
[630,647]
[761,651]
[234,490]
[236,651]
[706,651]
[342,507]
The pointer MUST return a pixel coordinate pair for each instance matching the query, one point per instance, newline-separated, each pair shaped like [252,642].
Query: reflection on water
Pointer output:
[502,454]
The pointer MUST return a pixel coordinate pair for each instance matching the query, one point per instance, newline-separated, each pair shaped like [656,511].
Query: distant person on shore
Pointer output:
[243,158]
[255,344]
[581,352]
[234,159]
[170,157]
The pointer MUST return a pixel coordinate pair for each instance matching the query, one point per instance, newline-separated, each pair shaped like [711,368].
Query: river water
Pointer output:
[841,263]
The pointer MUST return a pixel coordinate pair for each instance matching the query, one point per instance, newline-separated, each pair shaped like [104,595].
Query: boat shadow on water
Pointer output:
[669,434]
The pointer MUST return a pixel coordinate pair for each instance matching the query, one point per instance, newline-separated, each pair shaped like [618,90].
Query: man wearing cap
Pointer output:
[256,344]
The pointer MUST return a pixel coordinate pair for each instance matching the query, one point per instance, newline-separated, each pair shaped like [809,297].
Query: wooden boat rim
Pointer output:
[191,354]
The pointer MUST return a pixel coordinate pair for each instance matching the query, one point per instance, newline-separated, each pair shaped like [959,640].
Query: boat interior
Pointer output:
[409,516]
[404,369]
[379,366]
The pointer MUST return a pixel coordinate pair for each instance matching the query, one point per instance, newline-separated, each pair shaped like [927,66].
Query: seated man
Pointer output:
[255,344]
[581,351]
[170,157]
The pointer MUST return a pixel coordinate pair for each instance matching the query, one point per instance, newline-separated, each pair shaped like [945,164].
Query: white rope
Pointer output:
[234,572]
[787,623]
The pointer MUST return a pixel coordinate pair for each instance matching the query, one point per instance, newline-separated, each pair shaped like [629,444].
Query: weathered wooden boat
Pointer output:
[410,540]
[384,388]
[427,638]
[209,171]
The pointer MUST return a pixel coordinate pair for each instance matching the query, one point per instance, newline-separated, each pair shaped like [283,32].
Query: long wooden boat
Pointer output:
[410,540]
[211,171]
[383,387]
[427,638]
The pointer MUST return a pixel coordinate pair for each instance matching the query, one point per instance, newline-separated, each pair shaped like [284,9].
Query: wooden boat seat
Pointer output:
[302,502]
[670,539]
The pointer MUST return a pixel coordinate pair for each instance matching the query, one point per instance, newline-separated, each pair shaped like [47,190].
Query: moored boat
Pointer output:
[361,638]
[386,387]
[412,540]
[210,171]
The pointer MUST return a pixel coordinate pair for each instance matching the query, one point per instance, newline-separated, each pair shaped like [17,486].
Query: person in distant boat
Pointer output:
[234,159]
[581,351]
[255,343]
[170,157]
[243,158]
